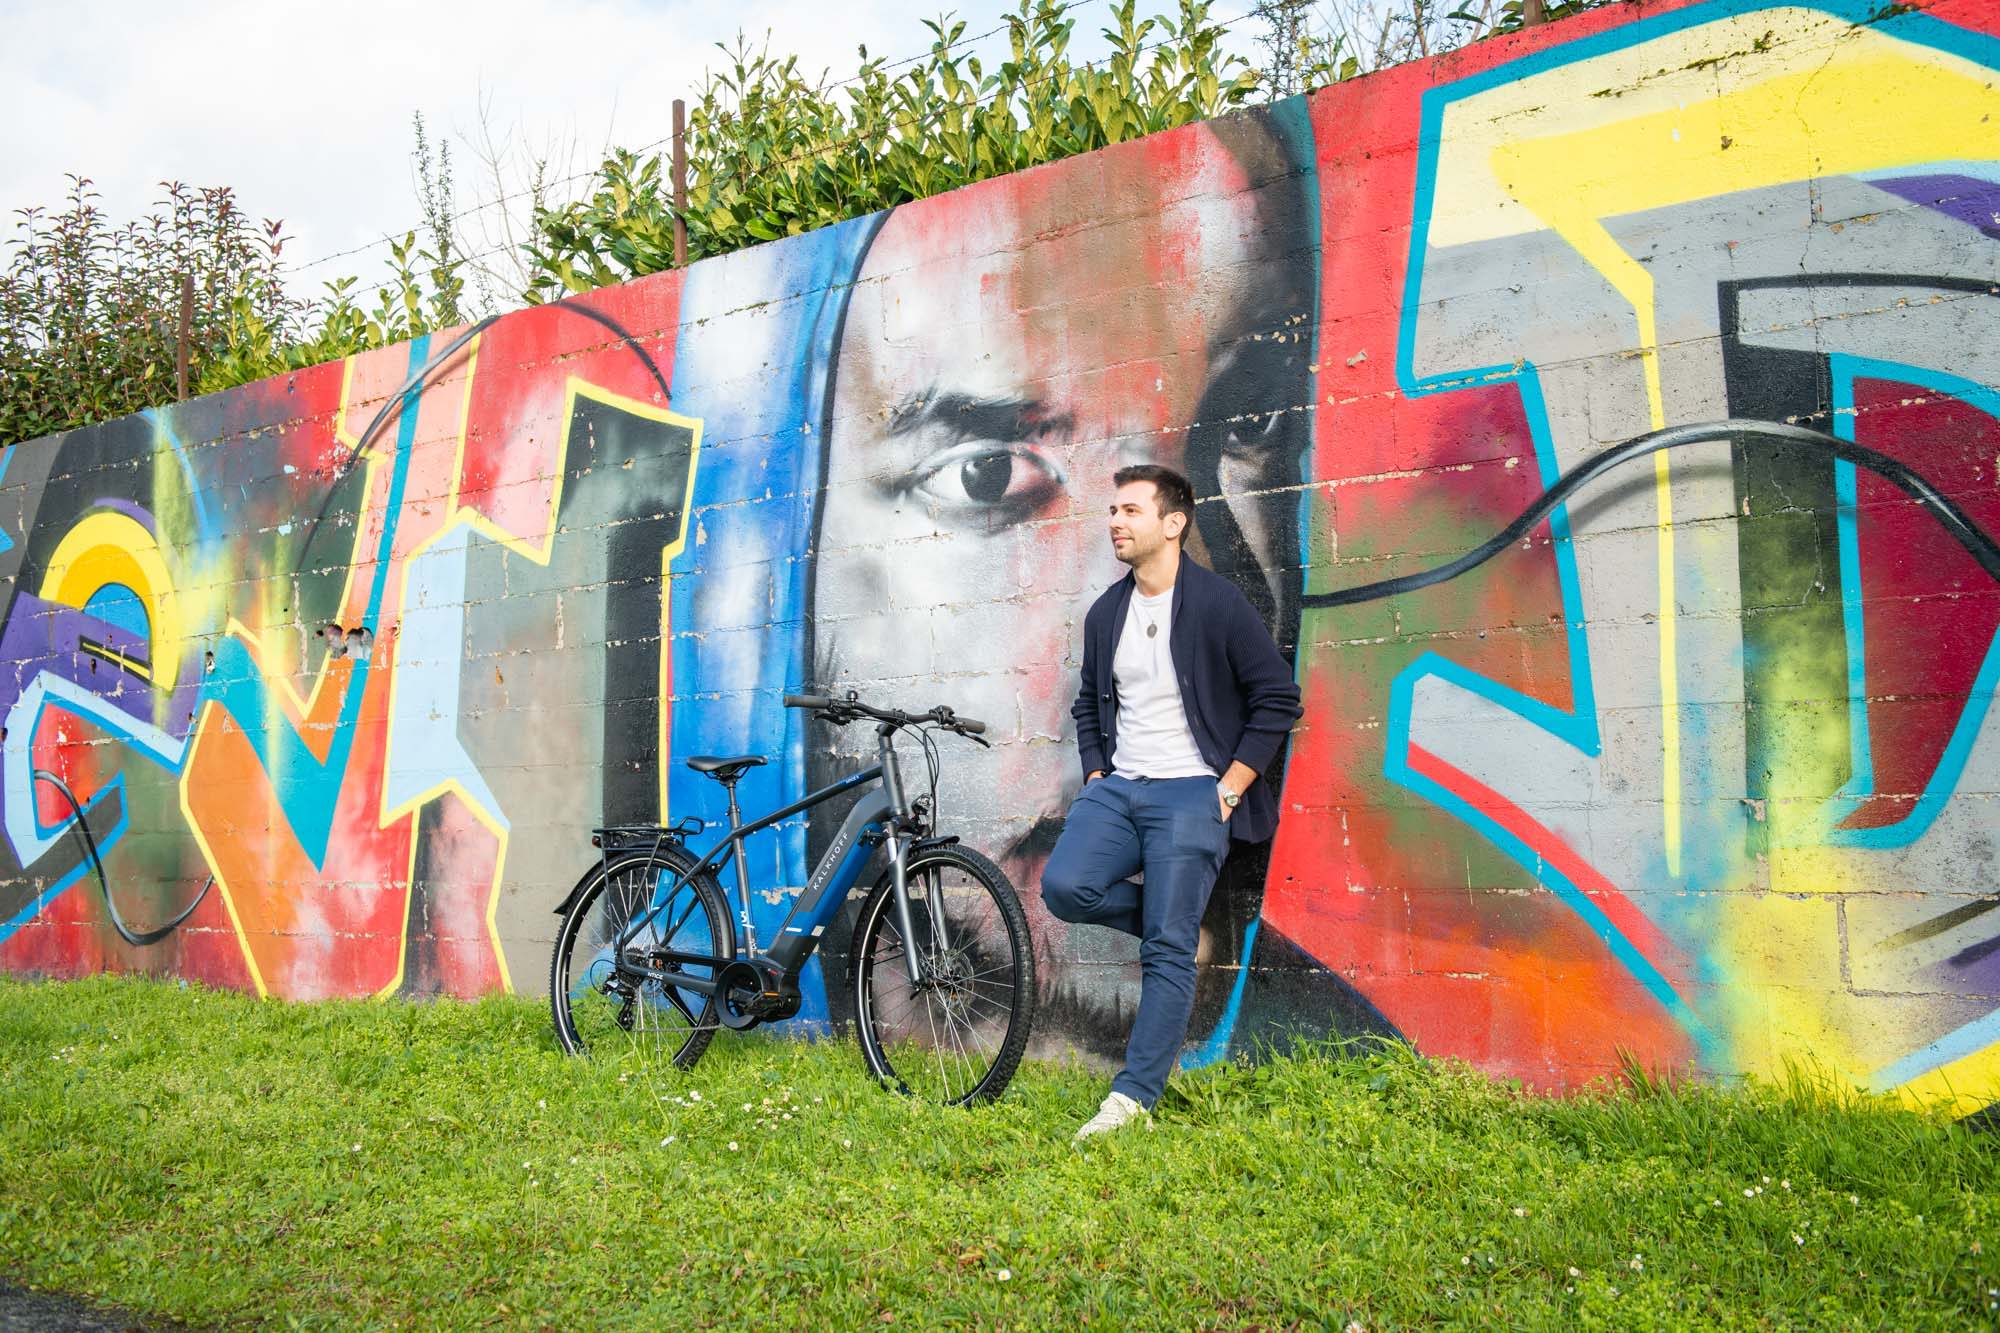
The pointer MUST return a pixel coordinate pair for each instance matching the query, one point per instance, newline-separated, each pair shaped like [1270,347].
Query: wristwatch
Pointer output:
[1229,798]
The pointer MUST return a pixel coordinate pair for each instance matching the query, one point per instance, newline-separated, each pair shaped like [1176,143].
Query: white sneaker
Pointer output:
[1118,1110]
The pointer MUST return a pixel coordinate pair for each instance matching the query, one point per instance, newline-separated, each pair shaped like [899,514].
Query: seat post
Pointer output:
[742,869]
[727,769]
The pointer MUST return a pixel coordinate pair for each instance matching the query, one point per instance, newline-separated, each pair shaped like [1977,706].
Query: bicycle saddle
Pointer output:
[724,768]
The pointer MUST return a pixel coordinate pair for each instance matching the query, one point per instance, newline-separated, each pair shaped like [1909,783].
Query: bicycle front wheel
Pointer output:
[957,1037]
[601,1008]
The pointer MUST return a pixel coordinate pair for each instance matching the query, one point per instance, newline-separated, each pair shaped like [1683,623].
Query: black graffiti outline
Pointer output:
[138,939]
[1968,534]
[416,383]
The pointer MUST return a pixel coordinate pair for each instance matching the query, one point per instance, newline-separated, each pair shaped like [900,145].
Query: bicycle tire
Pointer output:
[678,1024]
[943,1069]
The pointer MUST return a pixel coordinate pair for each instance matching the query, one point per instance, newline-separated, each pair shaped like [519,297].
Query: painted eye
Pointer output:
[987,476]
[987,479]
[1254,433]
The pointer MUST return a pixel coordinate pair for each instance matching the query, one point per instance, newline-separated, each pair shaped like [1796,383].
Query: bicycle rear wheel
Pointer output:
[600,1008]
[958,1038]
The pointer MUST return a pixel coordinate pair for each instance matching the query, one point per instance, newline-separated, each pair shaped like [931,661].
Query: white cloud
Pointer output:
[305,109]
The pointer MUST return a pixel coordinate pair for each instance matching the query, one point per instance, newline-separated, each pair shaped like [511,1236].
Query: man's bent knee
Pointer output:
[1071,895]
[1067,897]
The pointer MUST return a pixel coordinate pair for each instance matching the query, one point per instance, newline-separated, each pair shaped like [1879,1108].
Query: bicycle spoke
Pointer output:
[977,1031]
[604,1009]
[999,1007]
[937,1048]
[958,1049]
[673,995]
[951,1027]
[974,989]
[673,931]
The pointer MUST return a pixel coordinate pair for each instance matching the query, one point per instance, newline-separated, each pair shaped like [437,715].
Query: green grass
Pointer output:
[199,1155]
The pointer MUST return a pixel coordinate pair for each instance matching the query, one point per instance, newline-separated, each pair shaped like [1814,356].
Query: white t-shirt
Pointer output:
[1153,736]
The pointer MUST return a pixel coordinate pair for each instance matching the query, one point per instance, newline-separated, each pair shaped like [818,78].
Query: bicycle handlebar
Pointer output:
[846,710]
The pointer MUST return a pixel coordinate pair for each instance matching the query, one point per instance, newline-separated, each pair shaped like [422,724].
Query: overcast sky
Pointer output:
[305,109]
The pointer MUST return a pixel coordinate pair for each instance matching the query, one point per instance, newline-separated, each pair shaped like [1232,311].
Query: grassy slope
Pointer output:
[204,1156]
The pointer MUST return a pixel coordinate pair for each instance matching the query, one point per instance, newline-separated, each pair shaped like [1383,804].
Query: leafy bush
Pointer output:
[268,333]
[90,310]
[771,153]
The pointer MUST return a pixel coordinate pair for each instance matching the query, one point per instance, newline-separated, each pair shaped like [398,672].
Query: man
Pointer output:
[1000,340]
[1184,703]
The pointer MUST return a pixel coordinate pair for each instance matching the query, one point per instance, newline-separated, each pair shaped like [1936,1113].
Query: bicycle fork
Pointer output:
[900,888]
[900,839]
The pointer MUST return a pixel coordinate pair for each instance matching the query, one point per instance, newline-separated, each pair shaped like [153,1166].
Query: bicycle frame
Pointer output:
[879,816]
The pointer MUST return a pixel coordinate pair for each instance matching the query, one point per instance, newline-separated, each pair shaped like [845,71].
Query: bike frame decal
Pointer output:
[831,881]
[731,847]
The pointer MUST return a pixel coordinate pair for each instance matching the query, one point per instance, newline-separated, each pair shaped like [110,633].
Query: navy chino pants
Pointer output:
[1171,828]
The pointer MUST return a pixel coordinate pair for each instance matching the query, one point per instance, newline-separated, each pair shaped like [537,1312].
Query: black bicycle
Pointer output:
[941,969]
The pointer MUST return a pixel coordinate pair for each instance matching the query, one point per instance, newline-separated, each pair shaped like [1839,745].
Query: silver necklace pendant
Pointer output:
[1152,631]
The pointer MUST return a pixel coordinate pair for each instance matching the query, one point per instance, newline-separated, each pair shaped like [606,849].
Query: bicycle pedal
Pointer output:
[775,1005]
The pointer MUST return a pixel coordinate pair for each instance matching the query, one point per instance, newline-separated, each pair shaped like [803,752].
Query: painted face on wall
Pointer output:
[1006,350]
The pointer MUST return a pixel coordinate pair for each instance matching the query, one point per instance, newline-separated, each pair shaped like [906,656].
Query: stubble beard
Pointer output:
[1136,552]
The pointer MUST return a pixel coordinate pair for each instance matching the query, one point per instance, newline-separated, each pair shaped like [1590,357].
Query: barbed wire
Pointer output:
[387,237]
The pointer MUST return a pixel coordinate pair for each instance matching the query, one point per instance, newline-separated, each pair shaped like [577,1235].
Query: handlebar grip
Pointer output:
[969,724]
[808,701]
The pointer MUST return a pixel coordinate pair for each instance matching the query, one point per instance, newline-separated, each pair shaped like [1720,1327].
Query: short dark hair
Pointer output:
[1172,490]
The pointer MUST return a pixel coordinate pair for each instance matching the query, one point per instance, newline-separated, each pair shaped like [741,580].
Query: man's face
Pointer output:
[1006,350]
[1138,529]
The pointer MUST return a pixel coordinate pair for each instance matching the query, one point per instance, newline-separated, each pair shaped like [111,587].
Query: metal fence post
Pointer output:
[680,183]
[186,333]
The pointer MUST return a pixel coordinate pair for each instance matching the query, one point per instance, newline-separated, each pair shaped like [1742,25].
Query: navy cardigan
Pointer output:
[1238,692]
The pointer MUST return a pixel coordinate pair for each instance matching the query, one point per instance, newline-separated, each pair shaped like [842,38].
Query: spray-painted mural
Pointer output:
[340,669]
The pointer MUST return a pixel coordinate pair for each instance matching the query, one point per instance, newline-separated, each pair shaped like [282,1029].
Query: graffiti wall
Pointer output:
[339,670]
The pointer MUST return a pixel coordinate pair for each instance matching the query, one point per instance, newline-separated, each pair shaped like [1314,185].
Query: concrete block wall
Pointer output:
[1703,770]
